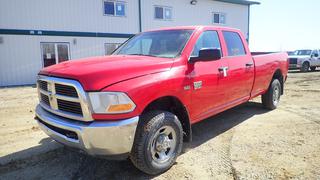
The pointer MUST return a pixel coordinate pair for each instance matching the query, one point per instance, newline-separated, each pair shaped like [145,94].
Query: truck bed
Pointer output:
[265,65]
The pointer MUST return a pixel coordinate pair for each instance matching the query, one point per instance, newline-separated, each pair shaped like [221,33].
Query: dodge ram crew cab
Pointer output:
[304,60]
[141,101]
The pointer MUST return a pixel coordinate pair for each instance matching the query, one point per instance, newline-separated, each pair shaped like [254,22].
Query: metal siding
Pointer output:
[71,15]
[200,14]
[20,65]
[20,55]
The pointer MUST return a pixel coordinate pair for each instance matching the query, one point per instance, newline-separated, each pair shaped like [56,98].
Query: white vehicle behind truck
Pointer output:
[304,60]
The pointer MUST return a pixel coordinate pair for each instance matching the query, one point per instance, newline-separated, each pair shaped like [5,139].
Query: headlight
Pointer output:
[110,102]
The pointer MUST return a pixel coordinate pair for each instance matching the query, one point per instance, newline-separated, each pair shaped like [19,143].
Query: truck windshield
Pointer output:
[165,43]
[303,52]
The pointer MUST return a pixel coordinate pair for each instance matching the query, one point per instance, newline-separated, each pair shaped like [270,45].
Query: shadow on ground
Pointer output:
[62,163]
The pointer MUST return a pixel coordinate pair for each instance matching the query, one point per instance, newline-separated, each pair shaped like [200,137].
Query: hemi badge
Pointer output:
[197,84]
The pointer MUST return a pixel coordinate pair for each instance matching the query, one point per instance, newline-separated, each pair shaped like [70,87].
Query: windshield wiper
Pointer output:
[143,55]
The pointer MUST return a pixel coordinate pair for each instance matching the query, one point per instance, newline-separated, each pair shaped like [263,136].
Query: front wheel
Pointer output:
[158,142]
[271,98]
[305,67]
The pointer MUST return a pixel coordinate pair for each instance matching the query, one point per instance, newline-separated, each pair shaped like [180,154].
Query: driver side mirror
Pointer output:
[316,55]
[207,54]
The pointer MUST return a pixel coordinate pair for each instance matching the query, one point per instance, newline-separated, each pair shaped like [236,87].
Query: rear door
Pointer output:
[240,68]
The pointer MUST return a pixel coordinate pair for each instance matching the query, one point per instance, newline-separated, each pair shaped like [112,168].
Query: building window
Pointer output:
[110,47]
[54,53]
[219,18]
[114,8]
[163,13]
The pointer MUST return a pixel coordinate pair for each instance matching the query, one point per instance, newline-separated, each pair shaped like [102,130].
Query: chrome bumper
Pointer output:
[107,138]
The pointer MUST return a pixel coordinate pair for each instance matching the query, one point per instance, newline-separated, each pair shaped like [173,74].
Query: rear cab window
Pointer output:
[234,44]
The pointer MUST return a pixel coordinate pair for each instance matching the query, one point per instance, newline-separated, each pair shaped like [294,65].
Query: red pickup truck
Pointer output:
[141,101]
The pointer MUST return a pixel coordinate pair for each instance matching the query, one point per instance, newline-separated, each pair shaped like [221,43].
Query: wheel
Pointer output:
[158,142]
[271,98]
[305,67]
[313,68]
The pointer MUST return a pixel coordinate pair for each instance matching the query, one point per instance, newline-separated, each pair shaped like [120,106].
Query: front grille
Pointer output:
[63,97]
[68,106]
[43,85]
[66,90]
[45,99]
[293,60]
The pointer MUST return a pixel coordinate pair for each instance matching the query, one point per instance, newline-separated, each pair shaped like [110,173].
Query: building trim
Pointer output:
[242,2]
[63,33]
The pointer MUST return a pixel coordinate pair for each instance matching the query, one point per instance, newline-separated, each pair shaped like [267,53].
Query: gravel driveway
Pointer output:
[246,142]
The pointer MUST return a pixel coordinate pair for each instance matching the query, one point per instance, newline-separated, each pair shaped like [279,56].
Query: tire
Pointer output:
[313,68]
[271,98]
[305,67]
[158,142]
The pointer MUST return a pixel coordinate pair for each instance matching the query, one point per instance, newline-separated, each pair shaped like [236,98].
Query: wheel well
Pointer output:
[173,105]
[278,75]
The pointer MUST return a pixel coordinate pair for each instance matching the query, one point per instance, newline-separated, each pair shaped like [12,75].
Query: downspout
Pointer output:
[140,21]
[248,24]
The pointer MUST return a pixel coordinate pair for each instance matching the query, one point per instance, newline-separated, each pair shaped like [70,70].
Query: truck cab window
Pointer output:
[234,44]
[208,39]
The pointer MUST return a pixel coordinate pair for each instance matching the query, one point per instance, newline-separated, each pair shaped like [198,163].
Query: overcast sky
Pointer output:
[285,25]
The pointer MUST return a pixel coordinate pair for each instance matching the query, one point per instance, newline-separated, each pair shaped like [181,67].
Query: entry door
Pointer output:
[54,53]
[206,80]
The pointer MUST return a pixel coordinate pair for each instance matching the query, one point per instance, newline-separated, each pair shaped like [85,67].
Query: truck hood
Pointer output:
[299,57]
[98,72]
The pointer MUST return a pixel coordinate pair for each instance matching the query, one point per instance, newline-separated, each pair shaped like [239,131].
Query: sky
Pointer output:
[285,25]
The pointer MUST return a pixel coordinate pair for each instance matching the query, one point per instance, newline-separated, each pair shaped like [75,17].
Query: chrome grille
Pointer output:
[63,97]
[293,60]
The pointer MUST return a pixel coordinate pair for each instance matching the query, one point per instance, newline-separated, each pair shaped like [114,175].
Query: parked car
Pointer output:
[304,60]
[141,101]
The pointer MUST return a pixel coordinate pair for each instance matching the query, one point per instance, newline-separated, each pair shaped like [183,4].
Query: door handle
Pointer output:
[224,70]
[249,64]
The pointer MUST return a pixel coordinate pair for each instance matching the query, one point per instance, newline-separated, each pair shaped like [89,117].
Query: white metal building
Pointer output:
[39,33]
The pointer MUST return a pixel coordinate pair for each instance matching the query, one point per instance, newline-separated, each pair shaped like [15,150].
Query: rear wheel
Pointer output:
[158,142]
[305,67]
[313,68]
[271,98]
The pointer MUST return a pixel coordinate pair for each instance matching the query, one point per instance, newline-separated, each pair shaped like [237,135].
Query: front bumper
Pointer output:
[107,138]
[294,66]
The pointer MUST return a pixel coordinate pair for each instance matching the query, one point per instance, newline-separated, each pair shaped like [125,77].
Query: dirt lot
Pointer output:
[246,142]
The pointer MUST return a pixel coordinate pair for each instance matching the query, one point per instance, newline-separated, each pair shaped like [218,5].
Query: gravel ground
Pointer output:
[246,142]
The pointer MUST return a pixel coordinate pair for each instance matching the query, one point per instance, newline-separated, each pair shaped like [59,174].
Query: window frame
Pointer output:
[163,11]
[115,8]
[219,13]
[227,49]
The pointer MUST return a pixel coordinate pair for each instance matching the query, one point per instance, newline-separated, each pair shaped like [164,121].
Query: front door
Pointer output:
[207,81]
[54,53]
[315,59]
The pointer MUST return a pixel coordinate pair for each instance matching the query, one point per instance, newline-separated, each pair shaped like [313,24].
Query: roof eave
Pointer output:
[241,2]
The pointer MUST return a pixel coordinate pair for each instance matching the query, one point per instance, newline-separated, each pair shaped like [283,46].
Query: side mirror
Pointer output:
[316,55]
[207,54]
